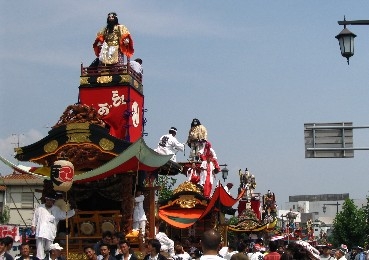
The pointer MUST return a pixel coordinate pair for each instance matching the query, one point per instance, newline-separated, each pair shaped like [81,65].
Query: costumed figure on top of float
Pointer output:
[269,203]
[208,152]
[112,43]
[244,179]
[291,217]
[197,136]
[247,181]
[207,176]
[269,207]
[193,174]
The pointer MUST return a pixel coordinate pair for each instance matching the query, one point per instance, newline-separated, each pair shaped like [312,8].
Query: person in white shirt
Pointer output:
[44,224]
[210,243]
[230,252]
[136,65]
[180,254]
[139,216]
[256,254]
[168,144]
[340,254]
[228,187]
[167,244]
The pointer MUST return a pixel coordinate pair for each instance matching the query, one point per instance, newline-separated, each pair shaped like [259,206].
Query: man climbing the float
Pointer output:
[168,144]
[113,42]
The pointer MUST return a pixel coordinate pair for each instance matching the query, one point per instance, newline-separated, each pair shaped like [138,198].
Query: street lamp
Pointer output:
[328,204]
[346,37]
[224,171]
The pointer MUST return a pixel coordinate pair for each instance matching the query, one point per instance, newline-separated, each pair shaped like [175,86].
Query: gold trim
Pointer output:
[136,84]
[106,144]
[79,138]
[125,78]
[51,146]
[76,256]
[186,186]
[73,126]
[18,150]
[187,201]
[84,81]
[104,79]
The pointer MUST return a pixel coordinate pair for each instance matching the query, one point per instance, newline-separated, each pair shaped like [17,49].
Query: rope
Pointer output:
[137,172]
[29,186]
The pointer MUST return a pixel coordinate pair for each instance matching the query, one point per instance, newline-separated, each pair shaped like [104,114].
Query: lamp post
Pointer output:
[224,171]
[329,204]
[346,37]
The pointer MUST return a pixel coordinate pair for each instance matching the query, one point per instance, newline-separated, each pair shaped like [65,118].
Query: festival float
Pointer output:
[96,157]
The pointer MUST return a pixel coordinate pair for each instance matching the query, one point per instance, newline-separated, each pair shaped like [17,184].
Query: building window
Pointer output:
[27,200]
[20,200]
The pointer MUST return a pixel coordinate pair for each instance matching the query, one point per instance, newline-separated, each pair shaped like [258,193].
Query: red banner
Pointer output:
[121,107]
[10,231]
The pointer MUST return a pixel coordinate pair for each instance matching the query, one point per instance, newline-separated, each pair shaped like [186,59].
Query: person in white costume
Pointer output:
[192,174]
[207,176]
[136,65]
[168,144]
[139,216]
[44,224]
[167,244]
[228,188]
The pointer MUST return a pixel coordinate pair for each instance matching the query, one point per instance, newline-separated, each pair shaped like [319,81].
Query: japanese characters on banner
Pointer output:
[10,231]
[62,173]
[120,107]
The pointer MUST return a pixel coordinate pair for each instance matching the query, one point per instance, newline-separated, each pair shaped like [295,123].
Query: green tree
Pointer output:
[366,216]
[5,215]
[166,184]
[349,226]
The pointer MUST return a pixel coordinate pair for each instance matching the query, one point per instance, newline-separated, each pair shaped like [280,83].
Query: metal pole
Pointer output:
[337,207]
[354,22]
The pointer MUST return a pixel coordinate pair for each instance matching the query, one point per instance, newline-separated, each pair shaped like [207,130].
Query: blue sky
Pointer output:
[253,72]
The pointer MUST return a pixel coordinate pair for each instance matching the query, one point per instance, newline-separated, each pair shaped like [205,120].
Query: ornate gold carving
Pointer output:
[79,113]
[136,84]
[104,79]
[83,155]
[187,186]
[125,78]
[73,126]
[187,201]
[78,138]
[51,146]
[84,81]
[76,256]
[106,144]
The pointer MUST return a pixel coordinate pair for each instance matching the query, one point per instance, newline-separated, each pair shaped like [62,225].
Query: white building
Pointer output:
[21,193]
[321,209]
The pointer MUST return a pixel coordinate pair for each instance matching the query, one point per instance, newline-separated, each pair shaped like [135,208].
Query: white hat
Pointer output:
[173,129]
[55,246]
